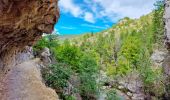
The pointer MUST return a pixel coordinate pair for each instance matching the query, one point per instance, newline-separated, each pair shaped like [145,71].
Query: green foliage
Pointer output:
[152,78]
[111,70]
[69,54]
[123,67]
[124,48]
[40,44]
[130,52]
[158,24]
[57,75]
[71,60]
[49,41]
[112,95]
[68,97]
[88,75]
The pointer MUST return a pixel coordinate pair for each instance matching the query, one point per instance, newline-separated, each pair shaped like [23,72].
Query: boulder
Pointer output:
[45,56]
[158,56]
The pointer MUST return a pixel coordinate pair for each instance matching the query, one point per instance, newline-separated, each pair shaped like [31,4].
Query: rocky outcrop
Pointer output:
[158,57]
[24,82]
[167,23]
[129,87]
[166,63]
[22,23]
[45,56]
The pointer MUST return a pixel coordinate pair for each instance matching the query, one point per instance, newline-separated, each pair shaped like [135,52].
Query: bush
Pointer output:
[50,41]
[68,54]
[88,76]
[68,97]
[158,23]
[111,95]
[131,50]
[57,75]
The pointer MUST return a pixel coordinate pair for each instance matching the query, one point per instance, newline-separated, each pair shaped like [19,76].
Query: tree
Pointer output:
[69,54]
[88,76]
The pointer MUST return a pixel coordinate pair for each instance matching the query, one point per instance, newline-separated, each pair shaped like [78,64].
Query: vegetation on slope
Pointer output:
[118,51]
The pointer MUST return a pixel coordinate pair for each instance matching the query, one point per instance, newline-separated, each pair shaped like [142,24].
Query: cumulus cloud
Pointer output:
[125,8]
[110,10]
[69,6]
[93,26]
[89,17]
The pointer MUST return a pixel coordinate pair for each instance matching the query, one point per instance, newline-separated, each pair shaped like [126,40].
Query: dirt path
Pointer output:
[23,82]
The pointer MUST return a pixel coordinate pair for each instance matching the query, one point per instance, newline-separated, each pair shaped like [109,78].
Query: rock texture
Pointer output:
[22,23]
[166,63]
[167,23]
[45,56]
[158,57]
[129,87]
[24,82]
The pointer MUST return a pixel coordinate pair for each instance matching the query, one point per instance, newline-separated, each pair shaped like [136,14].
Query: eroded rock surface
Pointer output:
[24,82]
[22,22]
[166,63]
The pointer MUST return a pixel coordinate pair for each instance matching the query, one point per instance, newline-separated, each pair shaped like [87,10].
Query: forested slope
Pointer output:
[115,63]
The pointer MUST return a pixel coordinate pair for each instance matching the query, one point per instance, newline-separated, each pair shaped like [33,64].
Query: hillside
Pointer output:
[118,63]
[128,61]
[123,62]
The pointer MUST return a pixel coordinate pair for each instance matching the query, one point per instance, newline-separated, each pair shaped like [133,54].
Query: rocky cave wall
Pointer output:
[22,23]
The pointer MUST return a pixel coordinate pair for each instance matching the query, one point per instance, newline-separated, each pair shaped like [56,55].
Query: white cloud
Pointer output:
[106,10]
[129,8]
[67,27]
[55,31]
[93,26]
[116,9]
[70,7]
[89,17]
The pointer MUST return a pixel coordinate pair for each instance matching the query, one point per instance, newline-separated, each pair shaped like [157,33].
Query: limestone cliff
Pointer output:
[167,23]
[166,63]
[22,22]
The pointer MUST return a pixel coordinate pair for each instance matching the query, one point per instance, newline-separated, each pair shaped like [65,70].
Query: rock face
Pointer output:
[166,63]
[129,87]
[45,56]
[24,82]
[158,57]
[22,23]
[167,23]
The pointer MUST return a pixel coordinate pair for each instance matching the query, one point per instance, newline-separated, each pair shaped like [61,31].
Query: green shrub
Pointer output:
[112,95]
[158,23]
[131,50]
[68,54]
[68,97]
[49,41]
[57,75]
[88,75]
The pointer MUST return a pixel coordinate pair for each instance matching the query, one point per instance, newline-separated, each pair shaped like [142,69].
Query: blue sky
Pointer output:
[80,16]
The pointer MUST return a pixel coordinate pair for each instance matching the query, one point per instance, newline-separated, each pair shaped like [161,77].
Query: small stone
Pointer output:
[120,87]
[138,97]
[129,94]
